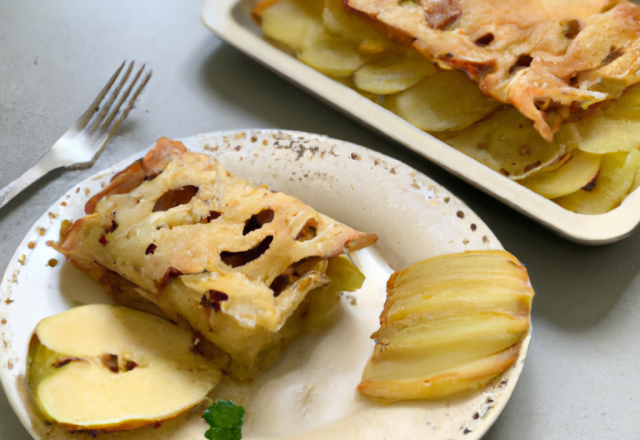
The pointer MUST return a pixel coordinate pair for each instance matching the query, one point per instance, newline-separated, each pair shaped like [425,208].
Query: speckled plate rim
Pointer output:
[252,154]
[230,20]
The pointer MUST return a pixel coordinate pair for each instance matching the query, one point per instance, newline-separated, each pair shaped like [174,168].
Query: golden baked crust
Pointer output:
[549,58]
[231,258]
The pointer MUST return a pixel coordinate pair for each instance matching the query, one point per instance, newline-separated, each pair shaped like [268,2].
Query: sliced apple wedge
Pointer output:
[113,368]
[449,324]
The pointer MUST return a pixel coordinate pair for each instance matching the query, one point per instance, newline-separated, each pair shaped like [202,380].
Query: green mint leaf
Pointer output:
[226,419]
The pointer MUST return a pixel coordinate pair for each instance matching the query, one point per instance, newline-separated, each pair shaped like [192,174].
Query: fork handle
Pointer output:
[14,188]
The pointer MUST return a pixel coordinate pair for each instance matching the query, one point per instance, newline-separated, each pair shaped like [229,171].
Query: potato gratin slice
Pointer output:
[450,323]
[176,235]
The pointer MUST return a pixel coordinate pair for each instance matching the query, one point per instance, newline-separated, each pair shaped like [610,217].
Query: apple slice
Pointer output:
[449,324]
[113,368]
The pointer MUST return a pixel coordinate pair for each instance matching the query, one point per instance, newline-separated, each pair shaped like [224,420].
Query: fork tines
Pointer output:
[80,145]
[110,109]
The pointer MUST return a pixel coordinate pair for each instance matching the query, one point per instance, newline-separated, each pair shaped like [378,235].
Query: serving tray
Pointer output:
[231,21]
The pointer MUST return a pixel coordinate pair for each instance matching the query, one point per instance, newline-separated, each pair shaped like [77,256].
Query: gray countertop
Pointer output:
[582,375]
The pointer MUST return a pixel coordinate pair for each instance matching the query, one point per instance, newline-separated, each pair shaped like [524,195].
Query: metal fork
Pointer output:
[82,144]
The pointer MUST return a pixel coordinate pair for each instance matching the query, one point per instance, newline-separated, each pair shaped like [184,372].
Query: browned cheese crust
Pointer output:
[231,258]
[549,58]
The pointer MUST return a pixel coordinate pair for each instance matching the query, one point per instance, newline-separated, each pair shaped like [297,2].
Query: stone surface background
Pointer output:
[581,377]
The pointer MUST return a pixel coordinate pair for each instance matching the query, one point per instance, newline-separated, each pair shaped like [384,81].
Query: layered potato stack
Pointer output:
[451,323]
[542,92]
[235,263]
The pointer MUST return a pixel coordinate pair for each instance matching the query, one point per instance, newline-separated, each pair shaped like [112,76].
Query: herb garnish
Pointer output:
[226,419]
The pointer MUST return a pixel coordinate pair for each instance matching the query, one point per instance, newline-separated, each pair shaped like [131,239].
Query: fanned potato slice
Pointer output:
[471,375]
[393,74]
[615,179]
[354,27]
[289,23]
[508,143]
[614,126]
[444,101]
[450,323]
[313,7]
[636,182]
[461,337]
[330,55]
[577,172]
[444,300]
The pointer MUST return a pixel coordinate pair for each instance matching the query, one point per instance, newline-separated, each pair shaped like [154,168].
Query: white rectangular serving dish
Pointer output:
[231,21]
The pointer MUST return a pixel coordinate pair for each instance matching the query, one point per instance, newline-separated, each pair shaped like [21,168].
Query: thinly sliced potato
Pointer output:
[341,44]
[289,23]
[617,174]
[614,126]
[313,7]
[469,376]
[393,74]
[636,181]
[446,100]
[450,323]
[260,7]
[577,172]
[478,337]
[331,56]
[354,28]
[508,143]
[458,339]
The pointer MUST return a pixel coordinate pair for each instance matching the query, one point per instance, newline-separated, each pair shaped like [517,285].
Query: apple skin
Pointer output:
[100,367]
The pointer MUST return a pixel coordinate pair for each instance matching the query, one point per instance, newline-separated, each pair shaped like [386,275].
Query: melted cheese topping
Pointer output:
[549,58]
[231,258]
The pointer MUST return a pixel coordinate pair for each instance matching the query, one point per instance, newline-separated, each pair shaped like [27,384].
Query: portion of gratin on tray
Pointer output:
[540,91]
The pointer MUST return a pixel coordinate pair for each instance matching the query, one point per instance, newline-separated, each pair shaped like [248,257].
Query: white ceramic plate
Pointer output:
[310,392]
[231,21]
